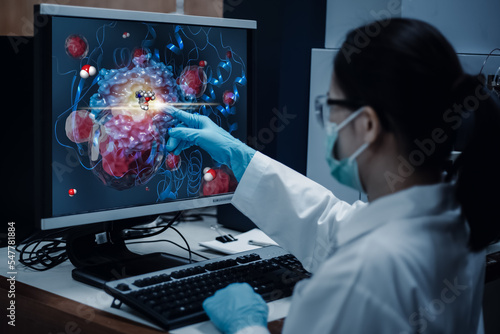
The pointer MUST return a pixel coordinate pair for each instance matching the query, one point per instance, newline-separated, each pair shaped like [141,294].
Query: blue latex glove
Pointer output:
[236,307]
[199,130]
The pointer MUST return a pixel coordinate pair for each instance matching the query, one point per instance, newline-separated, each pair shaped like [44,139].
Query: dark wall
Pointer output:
[286,33]
[17,136]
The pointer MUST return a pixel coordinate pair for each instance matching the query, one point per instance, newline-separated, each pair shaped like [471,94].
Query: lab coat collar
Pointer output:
[414,202]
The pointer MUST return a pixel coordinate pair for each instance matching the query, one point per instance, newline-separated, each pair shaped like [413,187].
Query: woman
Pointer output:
[412,259]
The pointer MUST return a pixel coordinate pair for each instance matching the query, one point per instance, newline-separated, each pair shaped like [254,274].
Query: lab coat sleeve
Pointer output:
[296,212]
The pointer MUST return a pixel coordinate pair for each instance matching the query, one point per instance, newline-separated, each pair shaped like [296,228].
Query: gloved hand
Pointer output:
[199,130]
[236,307]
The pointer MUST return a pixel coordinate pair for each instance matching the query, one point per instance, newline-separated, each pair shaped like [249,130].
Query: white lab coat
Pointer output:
[397,265]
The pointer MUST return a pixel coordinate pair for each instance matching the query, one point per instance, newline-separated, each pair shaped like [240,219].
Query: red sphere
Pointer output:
[72,192]
[193,81]
[173,161]
[229,54]
[79,126]
[202,63]
[76,46]
[139,52]
[140,56]
[228,98]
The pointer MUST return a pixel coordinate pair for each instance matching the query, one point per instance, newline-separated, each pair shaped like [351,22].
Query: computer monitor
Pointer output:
[103,81]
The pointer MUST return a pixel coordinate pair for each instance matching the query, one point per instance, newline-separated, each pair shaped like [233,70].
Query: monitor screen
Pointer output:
[107,79]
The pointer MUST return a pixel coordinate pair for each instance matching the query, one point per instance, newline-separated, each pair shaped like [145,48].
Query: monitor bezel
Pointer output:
[43,102]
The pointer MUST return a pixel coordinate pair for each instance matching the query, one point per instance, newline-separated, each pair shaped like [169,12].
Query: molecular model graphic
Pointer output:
[117,130]
[144,97]
[87,71]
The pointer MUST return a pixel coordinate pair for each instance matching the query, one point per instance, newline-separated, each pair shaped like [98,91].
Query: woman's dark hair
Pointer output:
[410,75]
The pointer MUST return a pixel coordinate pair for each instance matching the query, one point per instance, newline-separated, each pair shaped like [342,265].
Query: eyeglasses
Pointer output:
[323,104]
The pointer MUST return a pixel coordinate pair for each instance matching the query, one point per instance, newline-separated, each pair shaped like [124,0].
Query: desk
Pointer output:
[52,302]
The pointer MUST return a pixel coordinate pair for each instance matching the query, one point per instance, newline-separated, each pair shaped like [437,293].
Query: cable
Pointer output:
[488,56]
[163,229]
[496,81]
[187,244]
[44,233]
[169,241]
[43,253]
[37,256]
[46,257]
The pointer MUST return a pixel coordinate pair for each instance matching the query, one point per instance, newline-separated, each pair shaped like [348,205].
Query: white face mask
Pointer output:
[346,170]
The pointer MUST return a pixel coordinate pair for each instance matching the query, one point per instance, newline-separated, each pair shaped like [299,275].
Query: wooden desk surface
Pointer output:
[39,311]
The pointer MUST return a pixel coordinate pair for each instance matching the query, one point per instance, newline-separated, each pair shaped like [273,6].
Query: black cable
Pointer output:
[187,244]
[45,234]
[162,229]
[46,257]
[40,257]
[169,241]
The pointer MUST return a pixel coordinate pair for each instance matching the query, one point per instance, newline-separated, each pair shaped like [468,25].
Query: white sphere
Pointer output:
[84,74]
[208,177]
[206,169]
[92,71]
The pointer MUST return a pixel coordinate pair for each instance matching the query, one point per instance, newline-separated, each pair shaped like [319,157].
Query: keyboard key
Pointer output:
[175,298]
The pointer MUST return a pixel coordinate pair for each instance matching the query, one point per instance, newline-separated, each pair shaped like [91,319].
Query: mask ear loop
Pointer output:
[343,124]
[349,118]
[358,152]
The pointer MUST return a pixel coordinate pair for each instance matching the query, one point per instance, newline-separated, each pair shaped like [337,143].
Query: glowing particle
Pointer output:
[76,46]
[209,174]
[202,63]
[72,192]
[126,35]
[87,70]
[229,54]
[228,98]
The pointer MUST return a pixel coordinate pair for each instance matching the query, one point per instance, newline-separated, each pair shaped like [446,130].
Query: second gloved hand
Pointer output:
[199,130]
[237,309]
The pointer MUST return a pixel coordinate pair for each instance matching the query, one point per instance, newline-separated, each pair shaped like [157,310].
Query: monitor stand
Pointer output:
[100,255]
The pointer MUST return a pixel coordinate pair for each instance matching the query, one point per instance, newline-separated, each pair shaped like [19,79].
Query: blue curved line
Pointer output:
[172,47]
[147,43]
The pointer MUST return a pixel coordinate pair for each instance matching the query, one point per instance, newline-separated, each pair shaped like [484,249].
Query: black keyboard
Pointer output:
[173,297]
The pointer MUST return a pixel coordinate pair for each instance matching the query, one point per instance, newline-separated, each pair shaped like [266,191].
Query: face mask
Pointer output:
[346,170]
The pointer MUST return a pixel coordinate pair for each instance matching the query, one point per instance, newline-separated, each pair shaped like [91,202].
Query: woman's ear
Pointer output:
[369,124]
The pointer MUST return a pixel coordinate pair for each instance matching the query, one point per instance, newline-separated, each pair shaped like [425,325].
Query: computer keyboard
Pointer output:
[173,297]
